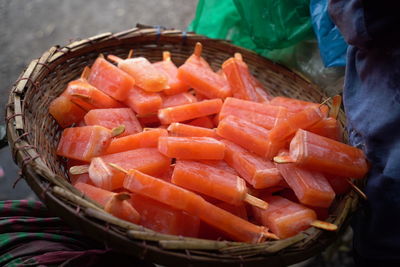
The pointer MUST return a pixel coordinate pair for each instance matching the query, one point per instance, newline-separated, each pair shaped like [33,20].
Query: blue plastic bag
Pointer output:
[331,43]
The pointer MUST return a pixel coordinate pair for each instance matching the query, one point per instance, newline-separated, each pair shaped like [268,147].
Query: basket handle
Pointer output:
[3,136]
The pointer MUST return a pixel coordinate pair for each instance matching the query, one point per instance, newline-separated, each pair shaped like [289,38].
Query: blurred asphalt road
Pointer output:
[29,27]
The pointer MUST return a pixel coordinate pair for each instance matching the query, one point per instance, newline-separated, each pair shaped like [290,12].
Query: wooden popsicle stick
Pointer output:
[81,169]
[357,190]
[252,200]
[146,129]
[101,55]
[324,225]
[166,56]
[81,96]
[284,159]
[85,73]
[324,102]
[115,166]
[336,102]
[238,56]
[130,54]
[117,130]
[270,235]
[115,59]
[198,49]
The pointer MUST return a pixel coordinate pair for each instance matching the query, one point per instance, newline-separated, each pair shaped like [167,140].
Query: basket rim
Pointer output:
[59,191]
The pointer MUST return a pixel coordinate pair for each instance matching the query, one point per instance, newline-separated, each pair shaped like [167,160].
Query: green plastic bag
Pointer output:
[271,28]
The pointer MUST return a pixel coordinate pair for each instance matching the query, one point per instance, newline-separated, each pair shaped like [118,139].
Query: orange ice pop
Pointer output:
[114,203]
[110,79]
[198,74]
[284,217]
[179,198]
[169,69]
[262,114]
[177,100]
[143,102]
[85,95]
[148,138]
[189,111]
[65,112]
[328,127]
[296,105]
[191,147]
[245,134]
[285,129]
[181,129]
[239,78]
[147,160]
[114,117]
[213,182]
[89,97]
[146,75]
[311,188]
[314,152]
[219,164]
[83,143]
[163,218]
[257,171]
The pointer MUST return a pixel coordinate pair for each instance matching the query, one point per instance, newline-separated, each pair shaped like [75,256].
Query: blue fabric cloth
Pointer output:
[372,105]
[330,41]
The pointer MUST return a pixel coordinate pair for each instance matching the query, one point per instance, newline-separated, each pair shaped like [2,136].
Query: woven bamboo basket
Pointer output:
[33,136]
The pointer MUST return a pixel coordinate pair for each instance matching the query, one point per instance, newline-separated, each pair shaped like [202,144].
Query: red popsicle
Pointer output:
[163,218]
[114,203]
[257,171]
[168,68]
[296,105]
[110,79]
[213,182]
[326,155]
[239,78]
[114,117]
[189,111]
[262,114]
[147,160]
[311,188]
[246,134]
[143,102]
[148,138]
[198,74]
[177,100]
[65,112]
[284,217]
[180,129]
[285,129]
[84,143]
[146,76]
[179,198]
[191,147]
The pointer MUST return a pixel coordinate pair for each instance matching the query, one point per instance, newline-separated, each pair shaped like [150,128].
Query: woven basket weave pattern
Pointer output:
[33,135]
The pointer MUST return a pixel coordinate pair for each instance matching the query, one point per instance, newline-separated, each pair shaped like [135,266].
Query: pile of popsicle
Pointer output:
[192,152]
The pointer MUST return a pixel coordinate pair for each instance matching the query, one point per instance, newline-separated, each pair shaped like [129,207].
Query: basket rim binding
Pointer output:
[60,195]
